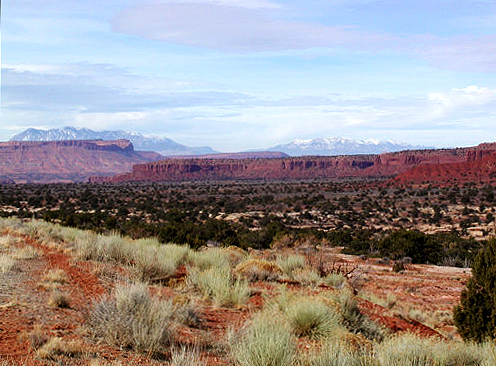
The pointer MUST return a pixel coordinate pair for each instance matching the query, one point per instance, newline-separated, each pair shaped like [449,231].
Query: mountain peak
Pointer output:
[329,146]
[164,146]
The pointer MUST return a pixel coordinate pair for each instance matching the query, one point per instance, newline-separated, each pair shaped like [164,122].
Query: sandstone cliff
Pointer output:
[58,161]
[478,165]
[383,165]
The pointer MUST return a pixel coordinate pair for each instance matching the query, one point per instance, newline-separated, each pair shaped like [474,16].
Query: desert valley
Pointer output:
[112,256]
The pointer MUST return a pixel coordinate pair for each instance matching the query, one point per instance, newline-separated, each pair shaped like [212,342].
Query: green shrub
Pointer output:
[475,316]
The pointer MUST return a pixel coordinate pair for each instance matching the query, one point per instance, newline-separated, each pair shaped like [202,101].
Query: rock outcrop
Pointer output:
[67,161]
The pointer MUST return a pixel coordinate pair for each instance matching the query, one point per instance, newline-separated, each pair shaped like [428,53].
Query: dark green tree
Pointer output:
[411,243]
[475,316]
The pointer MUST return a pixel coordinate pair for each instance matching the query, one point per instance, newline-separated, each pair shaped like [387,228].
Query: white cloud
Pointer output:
[444,103]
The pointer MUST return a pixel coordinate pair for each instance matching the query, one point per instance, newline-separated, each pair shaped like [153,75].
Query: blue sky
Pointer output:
[241,74]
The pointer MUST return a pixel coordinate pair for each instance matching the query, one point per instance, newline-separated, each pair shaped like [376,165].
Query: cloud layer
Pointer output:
[234,28]
[77,95]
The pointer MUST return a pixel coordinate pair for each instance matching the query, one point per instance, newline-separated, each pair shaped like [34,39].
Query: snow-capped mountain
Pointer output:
[340,146]
[164,146]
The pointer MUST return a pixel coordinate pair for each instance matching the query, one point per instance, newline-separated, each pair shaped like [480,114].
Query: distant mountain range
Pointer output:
[318,147]
[164,146]
[341,146]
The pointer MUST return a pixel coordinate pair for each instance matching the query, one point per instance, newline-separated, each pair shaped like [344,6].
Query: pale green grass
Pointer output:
[266,340]
[290,262]
[313,318]
[334,353]
[213,257]
[411,350]
[218,284]
[133,318]
[152,260]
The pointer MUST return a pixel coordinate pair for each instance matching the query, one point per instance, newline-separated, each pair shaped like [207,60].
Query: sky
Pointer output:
[249,74]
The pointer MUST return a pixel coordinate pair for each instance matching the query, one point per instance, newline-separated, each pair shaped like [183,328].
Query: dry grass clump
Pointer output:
[55,276]
[59,299]
[402,350]
[7,263]
[185,357]
[43,231]
[335,280]
[8,240]
[36,338]
[258,270]
[132,318]
[10,224]
[219,285]
[28,252]
[236,254]
[56,346]
[307,276]
[187,312]
[266,340]
[290,262]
